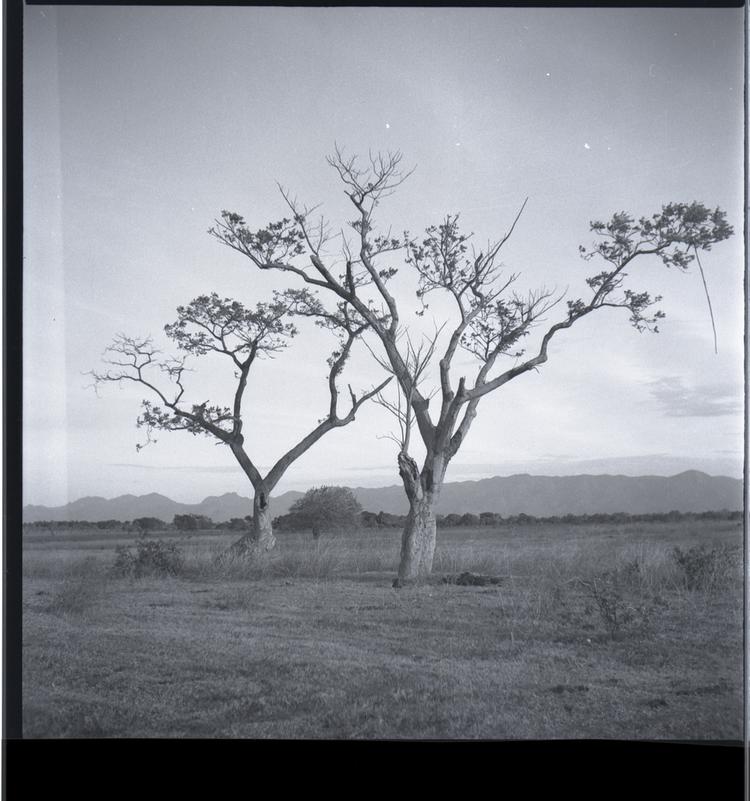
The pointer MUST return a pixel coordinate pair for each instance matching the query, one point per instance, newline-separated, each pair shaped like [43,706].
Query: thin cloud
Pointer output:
[705,400]
[373,468]
[189,467]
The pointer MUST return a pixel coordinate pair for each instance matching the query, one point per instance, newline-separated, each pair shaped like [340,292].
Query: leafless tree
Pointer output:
[240,335]
[492,320]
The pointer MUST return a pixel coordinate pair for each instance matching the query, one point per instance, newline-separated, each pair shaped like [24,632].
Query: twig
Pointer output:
[708,298]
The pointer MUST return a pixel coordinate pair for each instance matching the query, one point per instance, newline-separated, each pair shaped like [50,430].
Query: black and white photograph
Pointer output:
[383,373]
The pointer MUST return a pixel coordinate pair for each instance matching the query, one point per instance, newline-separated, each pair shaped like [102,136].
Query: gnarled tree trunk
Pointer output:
[261,539]
[418,541]
[262,522]
[420,532]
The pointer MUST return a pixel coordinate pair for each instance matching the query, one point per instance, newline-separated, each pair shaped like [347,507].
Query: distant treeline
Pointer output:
[385,520]
[380,520]
[143,524]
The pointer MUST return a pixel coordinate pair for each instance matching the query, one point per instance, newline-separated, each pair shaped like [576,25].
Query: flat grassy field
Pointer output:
[593,632]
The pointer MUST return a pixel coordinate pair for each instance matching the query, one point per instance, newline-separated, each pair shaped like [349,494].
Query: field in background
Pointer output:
[595,632]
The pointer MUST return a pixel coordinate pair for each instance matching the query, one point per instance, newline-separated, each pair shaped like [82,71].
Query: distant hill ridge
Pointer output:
[540,496]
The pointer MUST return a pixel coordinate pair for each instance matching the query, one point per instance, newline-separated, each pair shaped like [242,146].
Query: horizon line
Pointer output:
[388,486]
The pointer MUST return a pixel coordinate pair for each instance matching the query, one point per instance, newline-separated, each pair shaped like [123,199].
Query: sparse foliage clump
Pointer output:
[620,601]
[705,568]
[151,558]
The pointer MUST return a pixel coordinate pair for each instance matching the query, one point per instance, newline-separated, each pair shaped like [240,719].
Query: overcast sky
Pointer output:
[142,124]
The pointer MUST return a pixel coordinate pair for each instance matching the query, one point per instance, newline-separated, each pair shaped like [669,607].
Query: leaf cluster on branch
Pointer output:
[241,334]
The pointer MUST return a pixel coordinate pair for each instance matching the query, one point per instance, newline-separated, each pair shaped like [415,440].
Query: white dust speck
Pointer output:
[458,144]
[387,125]
[587,145]
[547,74]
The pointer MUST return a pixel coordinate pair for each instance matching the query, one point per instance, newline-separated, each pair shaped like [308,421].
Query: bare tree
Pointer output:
[492,319]
[241,335]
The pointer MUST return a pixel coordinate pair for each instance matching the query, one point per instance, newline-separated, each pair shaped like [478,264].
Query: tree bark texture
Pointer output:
[262,523]
[418,540]
[261,539]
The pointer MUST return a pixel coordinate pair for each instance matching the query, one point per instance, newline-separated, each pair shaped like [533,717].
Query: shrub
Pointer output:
[704,568]
[630,573]
[621,606]
[326,509]
[190,522]
[151,558]
[149,524]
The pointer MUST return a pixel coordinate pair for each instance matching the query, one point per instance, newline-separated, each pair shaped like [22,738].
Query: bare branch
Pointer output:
[404,416]
[375,181]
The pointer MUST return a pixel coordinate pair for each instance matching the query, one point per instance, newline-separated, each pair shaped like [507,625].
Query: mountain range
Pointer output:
[541,496]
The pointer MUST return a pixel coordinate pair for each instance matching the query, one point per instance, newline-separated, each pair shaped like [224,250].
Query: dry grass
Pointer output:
[314,642]
[81,586]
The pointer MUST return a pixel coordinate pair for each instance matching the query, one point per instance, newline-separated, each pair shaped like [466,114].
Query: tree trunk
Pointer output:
[418,541]
[420,532]
[262,523]
[261,539]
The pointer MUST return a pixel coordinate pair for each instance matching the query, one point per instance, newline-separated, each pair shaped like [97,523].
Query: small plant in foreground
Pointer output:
[704,568]
[78,591]
[151,558]
[619,607]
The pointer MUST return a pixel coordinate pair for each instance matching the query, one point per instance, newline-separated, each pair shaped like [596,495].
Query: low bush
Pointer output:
[621,602]
[705,568]
[151,558]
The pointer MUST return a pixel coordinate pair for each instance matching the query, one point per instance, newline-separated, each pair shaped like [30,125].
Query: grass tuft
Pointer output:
[707,569]
[78,591]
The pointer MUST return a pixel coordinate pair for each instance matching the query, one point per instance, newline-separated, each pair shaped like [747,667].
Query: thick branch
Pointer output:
[282,465]
[479,391]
